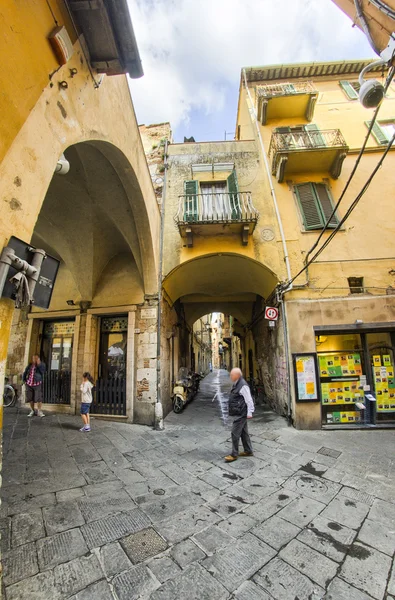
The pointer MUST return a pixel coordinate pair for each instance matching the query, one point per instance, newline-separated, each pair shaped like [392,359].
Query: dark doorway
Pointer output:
[56,352]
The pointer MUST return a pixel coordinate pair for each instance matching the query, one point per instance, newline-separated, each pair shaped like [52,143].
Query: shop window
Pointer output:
[382,131]
[350,88]
[316,205]
[356,285]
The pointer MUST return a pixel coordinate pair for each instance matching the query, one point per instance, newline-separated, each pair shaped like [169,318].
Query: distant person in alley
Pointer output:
[33,377]
[241,406]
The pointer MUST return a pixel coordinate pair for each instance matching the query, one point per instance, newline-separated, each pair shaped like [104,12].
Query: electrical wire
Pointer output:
[355,167]
[348,212]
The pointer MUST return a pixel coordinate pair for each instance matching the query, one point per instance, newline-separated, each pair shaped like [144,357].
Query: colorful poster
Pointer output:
[306,377]
[377,360]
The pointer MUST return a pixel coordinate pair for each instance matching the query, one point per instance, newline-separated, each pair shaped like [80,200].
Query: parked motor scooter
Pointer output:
[183,390]
[196,377]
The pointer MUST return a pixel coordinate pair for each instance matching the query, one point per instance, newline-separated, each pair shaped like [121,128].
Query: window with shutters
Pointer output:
[351,89]
[382,131]
[316,205]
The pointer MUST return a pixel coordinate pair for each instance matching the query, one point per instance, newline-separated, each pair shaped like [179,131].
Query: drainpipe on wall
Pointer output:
[284,245]
[158,405]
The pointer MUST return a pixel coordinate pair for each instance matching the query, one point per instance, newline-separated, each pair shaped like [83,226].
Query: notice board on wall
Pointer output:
[306,377]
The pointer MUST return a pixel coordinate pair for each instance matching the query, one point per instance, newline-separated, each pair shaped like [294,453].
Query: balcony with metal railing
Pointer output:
[285,100]
[216,214]
[302,151]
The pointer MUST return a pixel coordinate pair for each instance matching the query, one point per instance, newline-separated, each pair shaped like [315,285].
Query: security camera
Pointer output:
[371,92]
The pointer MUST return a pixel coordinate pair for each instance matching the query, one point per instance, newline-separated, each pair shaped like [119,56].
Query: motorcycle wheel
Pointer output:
[178,405]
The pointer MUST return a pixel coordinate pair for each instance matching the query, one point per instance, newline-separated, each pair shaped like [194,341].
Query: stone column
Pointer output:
[130,366]
[144,408]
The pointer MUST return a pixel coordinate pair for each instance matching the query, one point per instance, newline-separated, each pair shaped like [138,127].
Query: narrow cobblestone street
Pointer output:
[125,512]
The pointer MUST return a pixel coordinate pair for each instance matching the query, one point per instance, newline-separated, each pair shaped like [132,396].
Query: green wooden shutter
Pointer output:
[349,90]
[378,133]
[309,205]
[191,201]
[233,190]
[316,137]
[326,203]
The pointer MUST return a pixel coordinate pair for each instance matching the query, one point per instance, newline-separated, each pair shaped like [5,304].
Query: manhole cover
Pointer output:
[143,544]
[159,492]
[305,482]
[329,452]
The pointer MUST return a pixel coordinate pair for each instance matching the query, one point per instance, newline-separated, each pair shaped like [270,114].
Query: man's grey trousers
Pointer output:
[240,430]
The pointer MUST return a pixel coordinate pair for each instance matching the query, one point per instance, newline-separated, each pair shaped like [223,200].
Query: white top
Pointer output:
[86,392]
[245,392]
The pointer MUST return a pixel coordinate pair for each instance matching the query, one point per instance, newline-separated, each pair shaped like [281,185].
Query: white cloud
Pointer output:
[192,51]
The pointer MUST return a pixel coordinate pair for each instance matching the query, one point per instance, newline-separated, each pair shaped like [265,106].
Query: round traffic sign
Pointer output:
[271,313]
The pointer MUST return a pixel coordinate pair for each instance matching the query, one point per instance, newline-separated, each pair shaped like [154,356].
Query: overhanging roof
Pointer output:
[308,70]
[108,32]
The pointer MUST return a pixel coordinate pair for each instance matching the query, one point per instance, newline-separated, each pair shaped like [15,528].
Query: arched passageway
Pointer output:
[229,290]
[95,221]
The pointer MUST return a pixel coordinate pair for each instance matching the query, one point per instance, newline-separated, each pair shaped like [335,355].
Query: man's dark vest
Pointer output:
[237,404]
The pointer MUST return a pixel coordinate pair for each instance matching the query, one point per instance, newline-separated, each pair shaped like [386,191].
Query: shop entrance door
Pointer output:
[110,395]
[56,352]
[381,353]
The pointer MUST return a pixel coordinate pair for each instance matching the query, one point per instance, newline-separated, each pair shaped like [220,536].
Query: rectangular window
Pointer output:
[210,201]
[350,88]
[356,285]
[301,136]
[382,131]
[316,205]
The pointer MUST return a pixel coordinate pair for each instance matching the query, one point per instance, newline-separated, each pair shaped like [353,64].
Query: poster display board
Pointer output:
[306,377]
[384,382]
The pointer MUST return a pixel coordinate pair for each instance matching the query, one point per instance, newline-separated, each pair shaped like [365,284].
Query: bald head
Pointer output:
[235,374]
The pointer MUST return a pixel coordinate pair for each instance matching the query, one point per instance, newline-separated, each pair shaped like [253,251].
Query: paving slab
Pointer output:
[137,581]
[97,472]
[276,532]
[250,591]
[314,565]
[391,582]
[19,563]
[237,525]
[39,587]
[271,504]
[27,527]
[60,548]
[328,537]
[345,511]
[113,458]
[186,552]
[367,569]
[97,591]
[195,583]
[98,507]
[164,568]
[101,532]
[73,494]
[378,535]
[213,538]
[187,524]
[301,511]
[77,574]
[62,516]
[340,590]
[312,486]
[236,563]
[283,582]
[382,511]
[113,559]
[227,504]
[165,508]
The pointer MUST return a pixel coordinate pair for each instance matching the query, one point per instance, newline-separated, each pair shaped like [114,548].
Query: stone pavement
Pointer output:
[125,512]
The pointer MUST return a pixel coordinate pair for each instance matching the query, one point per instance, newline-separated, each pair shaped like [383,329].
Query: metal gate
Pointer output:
[57,345]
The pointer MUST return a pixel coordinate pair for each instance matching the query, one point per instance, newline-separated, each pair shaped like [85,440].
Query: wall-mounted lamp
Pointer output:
[70,302]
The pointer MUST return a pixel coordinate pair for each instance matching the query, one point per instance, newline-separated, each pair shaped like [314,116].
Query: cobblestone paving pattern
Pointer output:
[125,512]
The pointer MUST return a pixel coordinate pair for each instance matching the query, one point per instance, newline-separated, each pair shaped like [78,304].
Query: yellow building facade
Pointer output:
[310,127]
[68,102]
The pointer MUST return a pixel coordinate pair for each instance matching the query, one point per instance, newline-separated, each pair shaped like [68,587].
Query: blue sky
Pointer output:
[193,51]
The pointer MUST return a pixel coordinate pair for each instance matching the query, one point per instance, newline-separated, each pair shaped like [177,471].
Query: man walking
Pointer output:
[241,406]
[33,379]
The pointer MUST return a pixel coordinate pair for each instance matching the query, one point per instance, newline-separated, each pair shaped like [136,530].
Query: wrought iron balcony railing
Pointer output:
[306,140]
[223,207]
[285,89]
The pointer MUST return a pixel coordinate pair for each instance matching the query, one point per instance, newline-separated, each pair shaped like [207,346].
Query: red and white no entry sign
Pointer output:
[271,313]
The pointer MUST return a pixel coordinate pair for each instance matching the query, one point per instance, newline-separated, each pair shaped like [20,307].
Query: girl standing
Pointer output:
[86,400]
